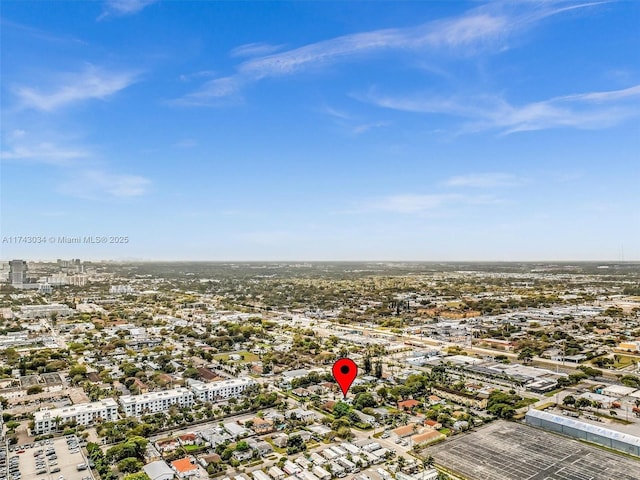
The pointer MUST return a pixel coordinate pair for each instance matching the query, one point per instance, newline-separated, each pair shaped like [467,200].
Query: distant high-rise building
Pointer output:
[17,272]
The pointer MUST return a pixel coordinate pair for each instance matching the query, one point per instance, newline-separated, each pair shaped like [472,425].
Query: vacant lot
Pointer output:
[511,451]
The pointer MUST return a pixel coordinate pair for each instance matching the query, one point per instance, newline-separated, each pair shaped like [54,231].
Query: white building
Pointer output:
[138,405]
[260,475]
[46,421]
[45,311]
[222,390]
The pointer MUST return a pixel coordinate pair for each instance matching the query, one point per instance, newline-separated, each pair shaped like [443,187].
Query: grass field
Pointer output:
[248,356]
[623,360]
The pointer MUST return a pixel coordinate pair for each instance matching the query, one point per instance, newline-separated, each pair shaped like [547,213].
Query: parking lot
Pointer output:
[56,459]
[511,451]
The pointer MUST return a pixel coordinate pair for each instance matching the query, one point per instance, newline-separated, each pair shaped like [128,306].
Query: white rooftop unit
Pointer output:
[260,475]
[276,473]
[317,459]
[291,468]
[328,454]
[349,447]
[321,473]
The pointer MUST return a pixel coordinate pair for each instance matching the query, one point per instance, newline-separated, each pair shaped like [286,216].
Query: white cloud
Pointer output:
[365,127]
[433,204]
[124,7]
[254,50]
[87,176]
[585,111]
[96,184]
[484,180]
[42,152]
[480,27]
[91,83]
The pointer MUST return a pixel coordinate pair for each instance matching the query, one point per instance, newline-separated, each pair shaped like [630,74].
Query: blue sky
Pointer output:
[322,130]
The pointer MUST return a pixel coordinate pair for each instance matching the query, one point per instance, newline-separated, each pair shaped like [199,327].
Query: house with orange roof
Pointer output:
[167,445]
[408,404]
[185,467]
[429,436]
[188,439]
[433,424]
[406,431]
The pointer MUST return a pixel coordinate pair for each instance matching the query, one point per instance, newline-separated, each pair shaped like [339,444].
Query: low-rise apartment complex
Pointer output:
[46,421]
[222,390]
[138,405]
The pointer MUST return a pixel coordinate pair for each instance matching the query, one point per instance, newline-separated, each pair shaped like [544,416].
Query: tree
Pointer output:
[583,402]
[129,465]
[136,476]
[242,446]
[367,365]
[295,444]
[364,400]
[34,389]
[569,400]
[341,409]
[378,372]
[526,354]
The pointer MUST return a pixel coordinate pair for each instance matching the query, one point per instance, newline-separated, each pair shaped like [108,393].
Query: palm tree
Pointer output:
[427,463]
[57,421]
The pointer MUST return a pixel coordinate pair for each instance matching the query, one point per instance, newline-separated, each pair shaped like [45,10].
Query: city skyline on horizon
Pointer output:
[302,132]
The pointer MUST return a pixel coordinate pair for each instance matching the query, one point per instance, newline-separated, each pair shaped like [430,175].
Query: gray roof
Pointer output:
[158,469]
[585,427]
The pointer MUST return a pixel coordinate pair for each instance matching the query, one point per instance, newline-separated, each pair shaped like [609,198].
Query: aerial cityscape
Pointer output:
[374,240]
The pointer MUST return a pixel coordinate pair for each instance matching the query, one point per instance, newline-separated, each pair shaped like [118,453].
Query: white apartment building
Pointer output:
[138,405]
[46,421]
[45,311]
[221,390]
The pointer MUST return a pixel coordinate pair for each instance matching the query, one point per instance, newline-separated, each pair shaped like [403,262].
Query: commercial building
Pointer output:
[138,405]
[221,390]
[17,272]
[584,431]
[46,421]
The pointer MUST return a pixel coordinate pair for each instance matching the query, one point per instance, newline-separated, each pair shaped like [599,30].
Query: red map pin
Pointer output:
[345,371]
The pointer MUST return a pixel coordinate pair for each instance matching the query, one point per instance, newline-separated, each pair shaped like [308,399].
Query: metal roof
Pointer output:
[585,427]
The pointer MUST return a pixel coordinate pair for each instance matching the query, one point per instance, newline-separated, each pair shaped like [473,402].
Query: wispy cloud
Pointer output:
[123,7]
[186,143]
[480,27]
[90,83]
[86,175]
[365,127]
[254,50]
[484,180]
[96,184]
[45,152]
[435,203]
[585,111]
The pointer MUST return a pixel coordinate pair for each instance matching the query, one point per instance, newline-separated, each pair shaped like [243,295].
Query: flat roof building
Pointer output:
[221,390]
[584,431]
[138,405]
[46,421]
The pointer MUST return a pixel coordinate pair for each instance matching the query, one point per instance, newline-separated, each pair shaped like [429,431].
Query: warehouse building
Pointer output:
[584,431]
